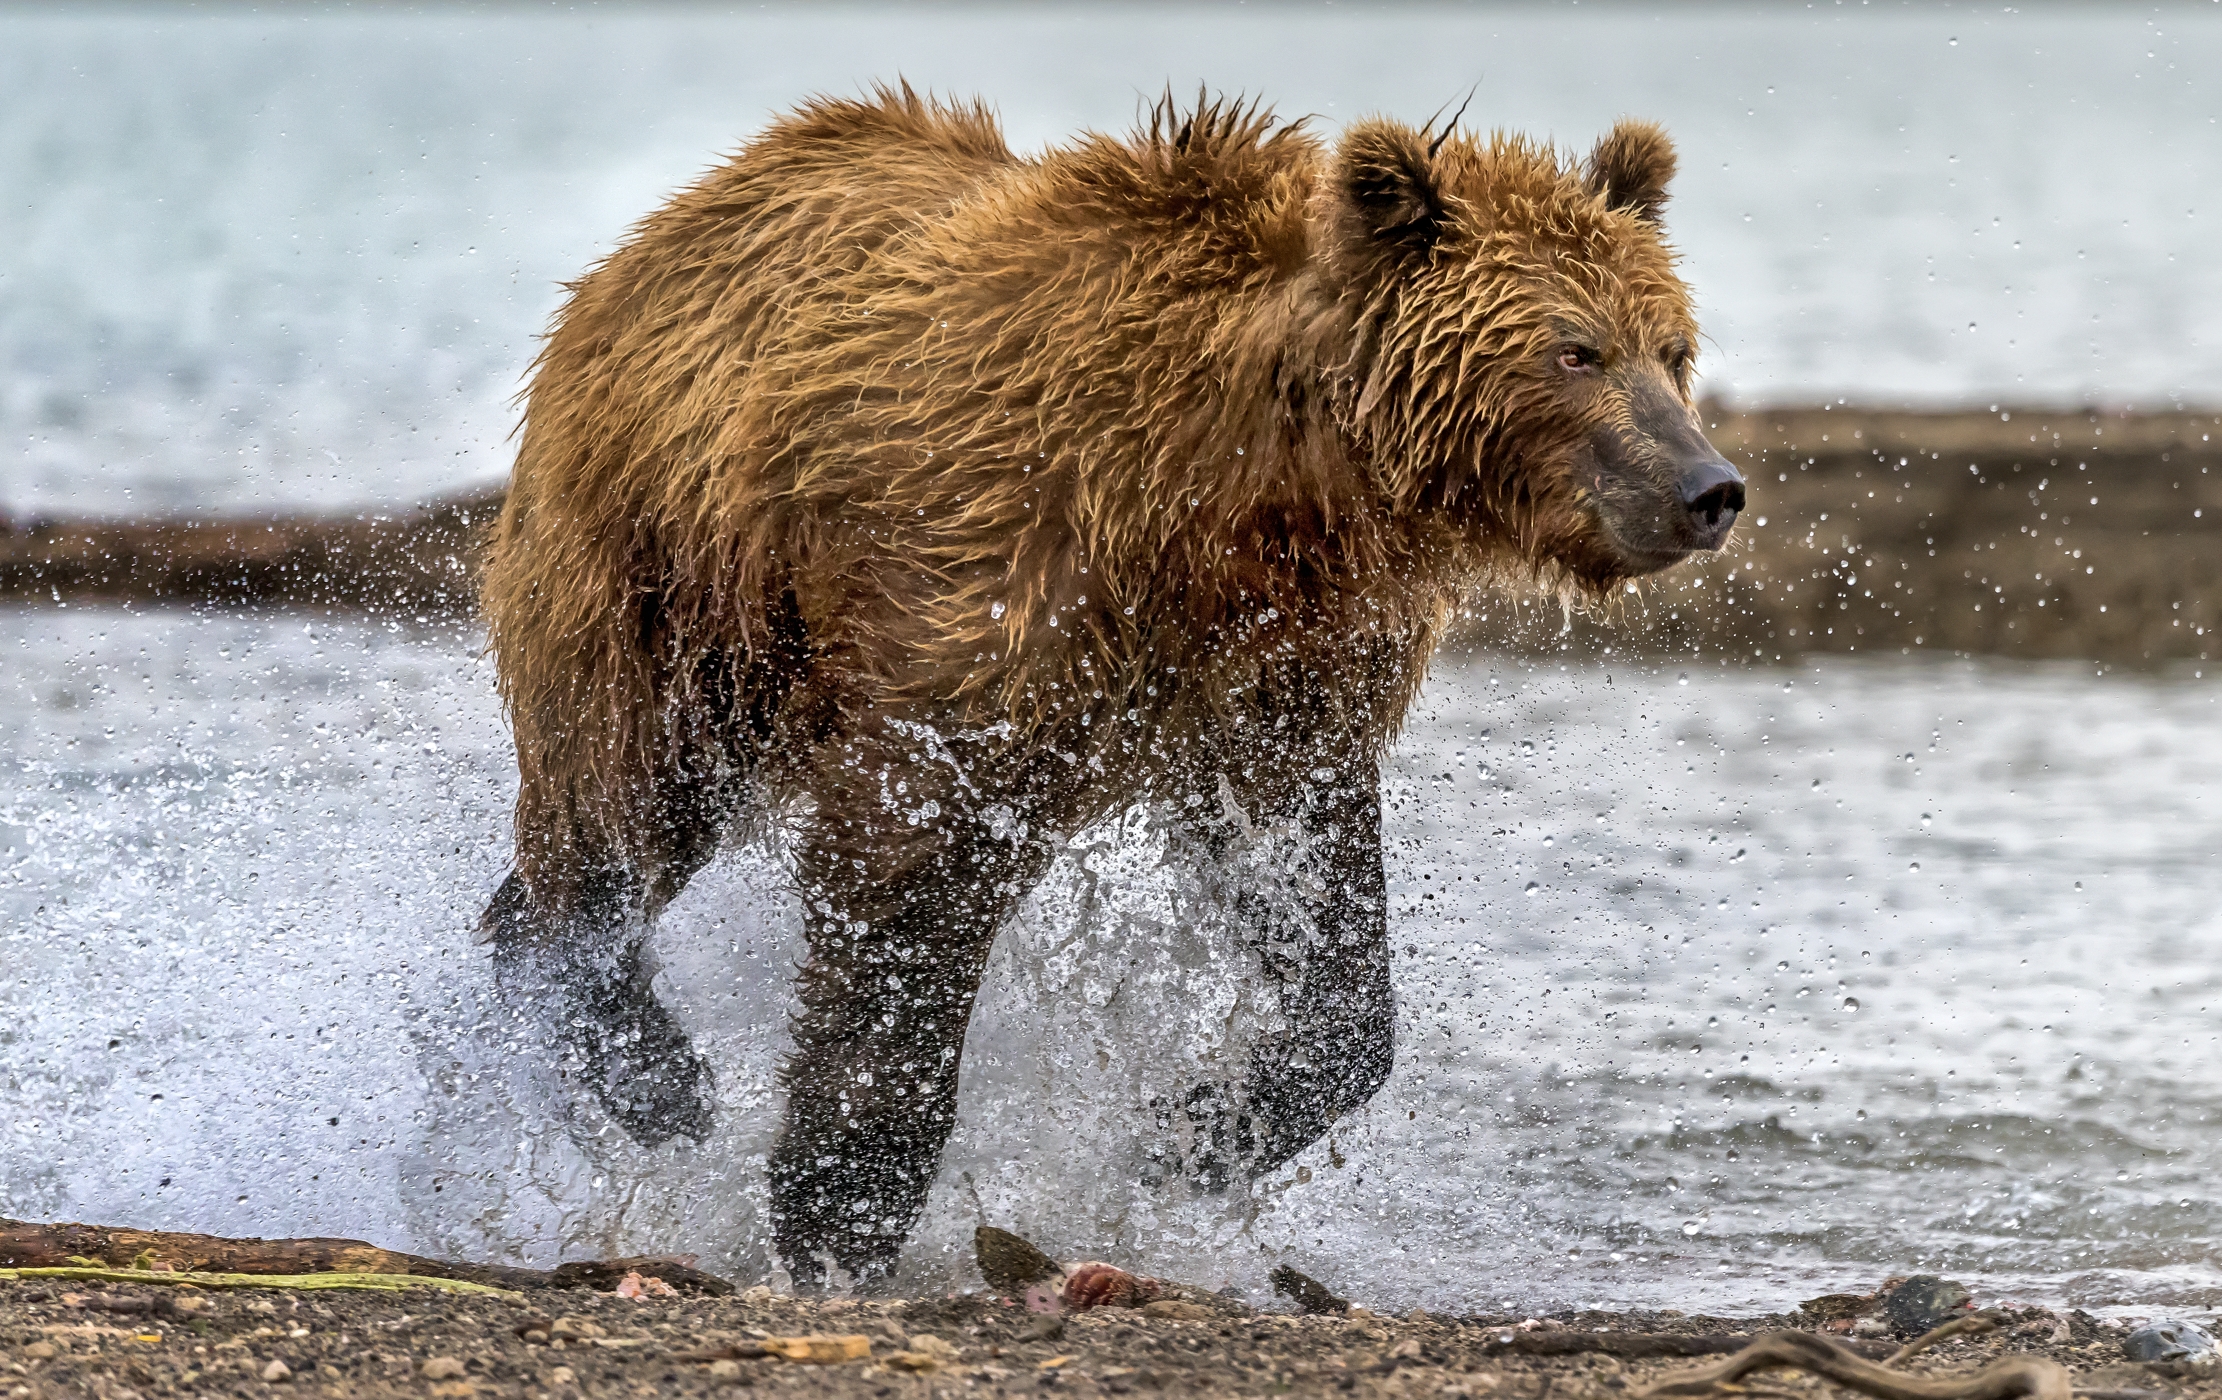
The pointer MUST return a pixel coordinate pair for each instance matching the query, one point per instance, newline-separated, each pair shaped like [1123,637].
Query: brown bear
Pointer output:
[926,502]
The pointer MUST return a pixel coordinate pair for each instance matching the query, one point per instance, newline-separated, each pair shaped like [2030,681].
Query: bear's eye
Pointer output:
[1575,358]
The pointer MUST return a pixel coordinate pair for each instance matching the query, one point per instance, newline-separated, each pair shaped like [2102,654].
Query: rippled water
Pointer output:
[1717,989]
[254,261]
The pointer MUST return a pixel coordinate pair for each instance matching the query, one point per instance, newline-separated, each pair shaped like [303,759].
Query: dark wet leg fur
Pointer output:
[581,954]
[1321,932]
[896,957]
[592,984]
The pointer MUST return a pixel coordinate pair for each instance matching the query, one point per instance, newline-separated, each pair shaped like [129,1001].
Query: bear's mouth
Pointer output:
[1695,515]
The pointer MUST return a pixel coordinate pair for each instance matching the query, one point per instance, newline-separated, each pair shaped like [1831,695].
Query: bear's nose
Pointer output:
[1712,492]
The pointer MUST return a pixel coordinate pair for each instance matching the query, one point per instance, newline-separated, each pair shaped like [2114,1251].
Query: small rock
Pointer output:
[1834,1307]
[262,1305]
[563,1375]
[1309,1294]
[725,1373]
[1010,1263]
[757,1296]
[1406,1350]
[1174,1310]
[40,1351]
[933,1346]
[276,1372]
[442,1368]
[2169,1339]
[916,1361]
[1870,1327]
[1418,1317]
[574,1328]
[818,1350]
[1043,1329]
[1924,1302]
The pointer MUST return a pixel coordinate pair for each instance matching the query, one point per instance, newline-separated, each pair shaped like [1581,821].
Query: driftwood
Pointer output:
[1637,1346]
[2014,1376]
[162,1306]
[28,1246]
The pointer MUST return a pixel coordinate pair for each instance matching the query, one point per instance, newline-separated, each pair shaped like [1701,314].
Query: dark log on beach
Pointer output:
[25,1245]
[420,563]
[2029,533]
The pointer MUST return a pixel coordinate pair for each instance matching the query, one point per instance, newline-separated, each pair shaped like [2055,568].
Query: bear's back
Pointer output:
[657,345]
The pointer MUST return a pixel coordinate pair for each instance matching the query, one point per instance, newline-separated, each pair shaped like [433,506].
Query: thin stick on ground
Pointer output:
[2014,1376]
[384,1283]
[1974,1324]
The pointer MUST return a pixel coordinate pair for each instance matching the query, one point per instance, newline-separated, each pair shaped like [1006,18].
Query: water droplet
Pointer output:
[1530,890]
[1851,1003]
[1691,1227]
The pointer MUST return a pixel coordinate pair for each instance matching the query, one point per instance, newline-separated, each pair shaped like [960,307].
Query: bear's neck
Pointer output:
[1275,502]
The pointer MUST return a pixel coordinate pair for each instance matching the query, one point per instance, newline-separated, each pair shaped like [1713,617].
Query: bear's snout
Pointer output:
[1713,492]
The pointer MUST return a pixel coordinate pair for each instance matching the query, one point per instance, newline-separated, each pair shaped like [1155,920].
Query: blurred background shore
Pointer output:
[2023,533]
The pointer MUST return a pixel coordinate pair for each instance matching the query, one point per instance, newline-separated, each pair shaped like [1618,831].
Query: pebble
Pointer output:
[1924,1302]
[563,1375]
[819,1349]
[442,1368]
[277,1371]
[913,1361]
[2169,1339]
[725,1373]
[574,1328]
[1174,1310]
[40,1351]
[934,1346]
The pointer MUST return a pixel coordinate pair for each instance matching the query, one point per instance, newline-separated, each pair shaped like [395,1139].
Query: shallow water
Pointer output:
[1634,911]
[265,261]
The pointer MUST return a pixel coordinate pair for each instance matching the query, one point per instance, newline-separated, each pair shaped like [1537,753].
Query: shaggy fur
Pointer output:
[936,500]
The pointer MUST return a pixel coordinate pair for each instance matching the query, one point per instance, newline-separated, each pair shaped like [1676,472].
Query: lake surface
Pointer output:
[1718,988]
[255,262]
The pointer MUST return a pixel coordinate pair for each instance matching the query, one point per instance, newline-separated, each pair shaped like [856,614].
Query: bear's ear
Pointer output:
[1388,175]
[1631,167]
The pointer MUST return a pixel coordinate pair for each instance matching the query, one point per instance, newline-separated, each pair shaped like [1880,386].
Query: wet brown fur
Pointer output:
[880,420]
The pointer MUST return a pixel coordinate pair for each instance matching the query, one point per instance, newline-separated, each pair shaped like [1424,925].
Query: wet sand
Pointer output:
[2030,533]
[416,1343]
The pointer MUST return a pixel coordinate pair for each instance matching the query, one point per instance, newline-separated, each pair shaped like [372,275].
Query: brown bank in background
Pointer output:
[2026,533]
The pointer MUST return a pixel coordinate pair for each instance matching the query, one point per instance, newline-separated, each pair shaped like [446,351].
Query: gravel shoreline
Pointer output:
[136,1342]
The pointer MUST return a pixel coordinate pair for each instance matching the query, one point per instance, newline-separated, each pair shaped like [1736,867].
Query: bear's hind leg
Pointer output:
[587,971]
[576,947]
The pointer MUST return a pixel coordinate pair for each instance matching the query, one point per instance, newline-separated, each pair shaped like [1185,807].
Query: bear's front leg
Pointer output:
[1309,896]
[897,950]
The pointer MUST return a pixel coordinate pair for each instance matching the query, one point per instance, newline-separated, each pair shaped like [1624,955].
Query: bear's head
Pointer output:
[1522,346]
